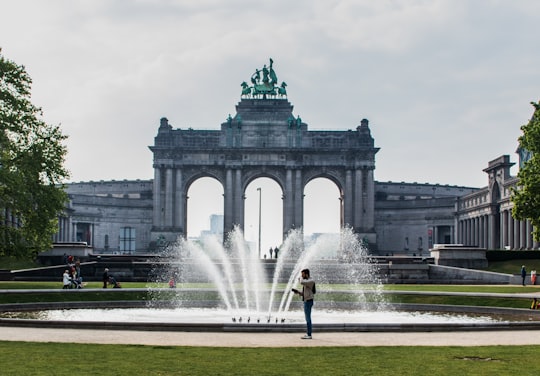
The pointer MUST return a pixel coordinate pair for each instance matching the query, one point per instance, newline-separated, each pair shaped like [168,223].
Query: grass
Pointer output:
[339,293]
[513,266]
[90,359]
[12,263]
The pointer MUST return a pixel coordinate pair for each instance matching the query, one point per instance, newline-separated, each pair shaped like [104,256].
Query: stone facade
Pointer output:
[484,218]
[111,216]
[263,139]
[409,218]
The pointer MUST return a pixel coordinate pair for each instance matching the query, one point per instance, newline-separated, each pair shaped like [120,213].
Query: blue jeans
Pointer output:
[308,304]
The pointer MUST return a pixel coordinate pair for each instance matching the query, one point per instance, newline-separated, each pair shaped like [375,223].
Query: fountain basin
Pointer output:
[404,318]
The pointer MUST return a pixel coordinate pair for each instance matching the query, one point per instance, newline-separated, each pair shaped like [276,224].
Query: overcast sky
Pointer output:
[445,84]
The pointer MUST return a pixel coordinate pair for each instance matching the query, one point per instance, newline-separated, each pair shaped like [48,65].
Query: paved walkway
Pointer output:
[156,338]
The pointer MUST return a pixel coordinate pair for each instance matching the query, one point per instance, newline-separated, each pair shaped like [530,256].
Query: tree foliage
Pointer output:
[32,168]
[526,196]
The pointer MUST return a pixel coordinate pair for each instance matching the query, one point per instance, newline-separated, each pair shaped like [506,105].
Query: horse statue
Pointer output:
[282,92]
[246,90]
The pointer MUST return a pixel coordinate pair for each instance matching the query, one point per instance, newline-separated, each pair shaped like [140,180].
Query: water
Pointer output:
[252,287]
[219,316]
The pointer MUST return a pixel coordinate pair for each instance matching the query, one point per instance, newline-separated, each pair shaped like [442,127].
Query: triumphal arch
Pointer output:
[263,139]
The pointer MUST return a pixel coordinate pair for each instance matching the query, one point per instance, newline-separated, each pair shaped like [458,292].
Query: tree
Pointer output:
[32,172]
[526,195]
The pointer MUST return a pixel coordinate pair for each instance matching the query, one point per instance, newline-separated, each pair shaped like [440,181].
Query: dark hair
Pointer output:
[306,271]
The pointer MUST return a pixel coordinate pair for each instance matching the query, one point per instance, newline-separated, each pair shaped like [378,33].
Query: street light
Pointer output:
[260,195]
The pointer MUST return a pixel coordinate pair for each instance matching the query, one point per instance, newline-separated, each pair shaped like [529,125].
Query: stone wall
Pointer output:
[459,256]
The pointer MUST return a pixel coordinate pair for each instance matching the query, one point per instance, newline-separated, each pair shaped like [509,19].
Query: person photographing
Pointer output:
[307,294]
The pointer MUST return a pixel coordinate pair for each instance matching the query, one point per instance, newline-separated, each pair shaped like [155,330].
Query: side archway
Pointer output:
[204,203]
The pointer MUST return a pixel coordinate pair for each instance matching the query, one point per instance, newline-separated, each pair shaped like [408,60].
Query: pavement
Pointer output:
[272,339]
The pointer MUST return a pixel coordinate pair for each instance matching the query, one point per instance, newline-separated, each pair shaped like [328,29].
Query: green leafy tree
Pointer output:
[526,195]
[32,169]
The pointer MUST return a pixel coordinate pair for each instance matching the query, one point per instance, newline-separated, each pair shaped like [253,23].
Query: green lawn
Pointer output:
[513,266]
[325,292]
[24,358]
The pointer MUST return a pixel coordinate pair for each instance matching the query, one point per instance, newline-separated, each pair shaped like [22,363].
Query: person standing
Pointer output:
[523,274]
[105,278]
[307,294]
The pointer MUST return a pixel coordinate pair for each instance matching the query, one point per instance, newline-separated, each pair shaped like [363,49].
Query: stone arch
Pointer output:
[335,183]
[252,175]
[334,177]
[193,195]
[263,209]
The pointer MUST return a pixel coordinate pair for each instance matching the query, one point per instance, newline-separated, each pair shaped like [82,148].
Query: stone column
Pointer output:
[298,200]
[523,235]
[475,231]
[179,204]
[491,232]
[358,208]
[169,198]
[69,235]
[73,231]
[288,207]
[510,232]
[469,231]
[348,200]
[238,200]
[157,205]
[92,234]
[487,233]
[369,205]
[516,234]
[228,213]
[504,228]
[482,231]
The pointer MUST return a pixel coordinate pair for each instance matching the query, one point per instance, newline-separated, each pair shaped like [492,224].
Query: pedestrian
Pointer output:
[307,294]
[523,274]
[172,283]
[66,280]
[105,278]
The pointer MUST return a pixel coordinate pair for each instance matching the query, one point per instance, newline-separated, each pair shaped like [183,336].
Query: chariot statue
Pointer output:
[262,88]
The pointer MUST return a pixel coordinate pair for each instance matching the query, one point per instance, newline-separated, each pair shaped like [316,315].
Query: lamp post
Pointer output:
[260,195]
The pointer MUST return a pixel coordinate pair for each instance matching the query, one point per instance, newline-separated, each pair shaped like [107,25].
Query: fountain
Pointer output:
[230,288]
[252,287]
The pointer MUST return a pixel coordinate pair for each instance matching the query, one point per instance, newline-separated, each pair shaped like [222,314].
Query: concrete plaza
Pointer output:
[271,339]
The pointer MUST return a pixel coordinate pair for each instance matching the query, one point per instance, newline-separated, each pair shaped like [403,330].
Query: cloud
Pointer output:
[445,84]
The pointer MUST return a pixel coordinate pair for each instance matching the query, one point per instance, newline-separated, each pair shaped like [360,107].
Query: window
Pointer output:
[127,239]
